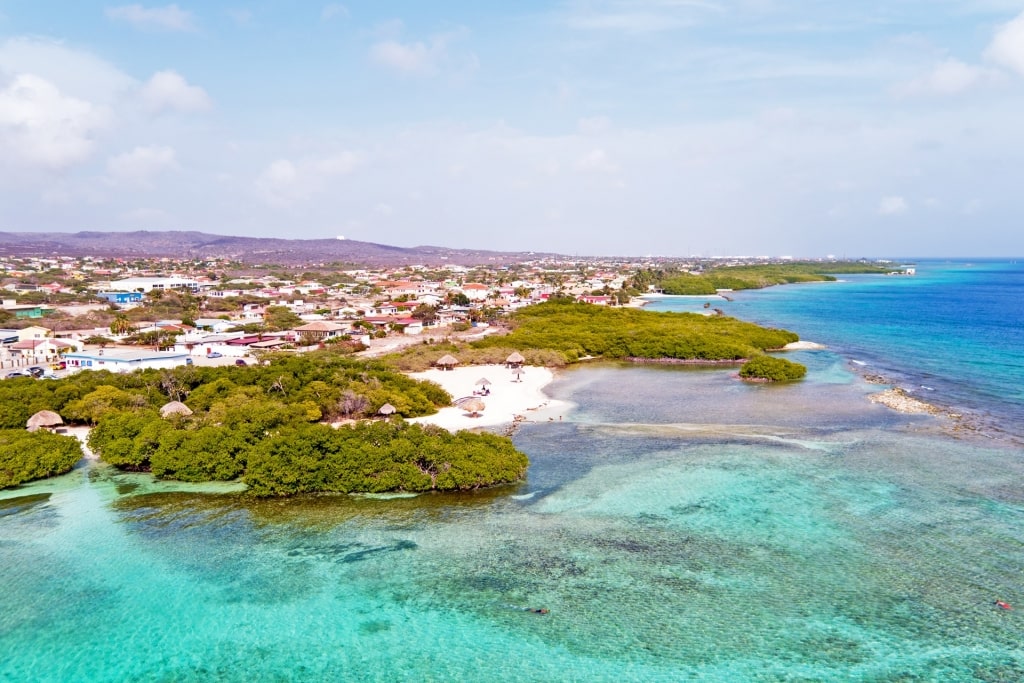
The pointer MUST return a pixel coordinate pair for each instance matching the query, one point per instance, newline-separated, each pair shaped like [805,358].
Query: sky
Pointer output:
[589,127]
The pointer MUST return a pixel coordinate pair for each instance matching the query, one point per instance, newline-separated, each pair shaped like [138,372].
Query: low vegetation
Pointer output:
[26,456]
[330,385]
[260,424]
[772,369]
[750,276]
[582,330]
[423,356]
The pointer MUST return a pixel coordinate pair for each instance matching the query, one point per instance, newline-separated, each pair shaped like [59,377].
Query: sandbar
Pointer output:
[510,400]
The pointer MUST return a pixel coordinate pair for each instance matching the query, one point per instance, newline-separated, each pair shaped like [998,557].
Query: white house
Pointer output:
[125,361]
[148,284]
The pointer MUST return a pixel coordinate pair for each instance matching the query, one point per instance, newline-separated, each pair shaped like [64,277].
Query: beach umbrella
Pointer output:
[175,408]
[447,361]
[387,410]
[515,358]
[44,419]
[483,382]
[473,406]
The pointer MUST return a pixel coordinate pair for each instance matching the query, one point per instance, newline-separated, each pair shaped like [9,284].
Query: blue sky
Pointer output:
[669,127]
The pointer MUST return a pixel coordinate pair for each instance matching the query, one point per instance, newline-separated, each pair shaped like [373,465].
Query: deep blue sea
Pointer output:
[953,334]
[678,524]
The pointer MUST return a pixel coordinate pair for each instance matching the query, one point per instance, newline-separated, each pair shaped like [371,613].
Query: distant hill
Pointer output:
[252,250]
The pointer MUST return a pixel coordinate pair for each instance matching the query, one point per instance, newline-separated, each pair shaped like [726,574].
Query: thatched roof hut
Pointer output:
[387,410]
[175,408]
[473,406]
[447,362]
[44,419]
[515,360]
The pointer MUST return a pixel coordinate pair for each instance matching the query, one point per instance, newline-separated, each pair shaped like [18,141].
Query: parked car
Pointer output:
[214,355]
[17,373]
[239,361]
[36,371]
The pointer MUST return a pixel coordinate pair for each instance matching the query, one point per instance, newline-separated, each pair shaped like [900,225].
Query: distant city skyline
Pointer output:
[594,127]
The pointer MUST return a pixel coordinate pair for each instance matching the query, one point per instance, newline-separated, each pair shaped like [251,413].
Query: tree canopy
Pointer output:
[579,330]
[772,369]
[25,456]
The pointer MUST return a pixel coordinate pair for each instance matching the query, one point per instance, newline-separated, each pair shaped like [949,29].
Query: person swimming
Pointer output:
[1002,604]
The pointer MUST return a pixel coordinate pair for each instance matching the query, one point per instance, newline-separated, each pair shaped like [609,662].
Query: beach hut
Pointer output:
[446,362]
[515,360]
[175,408]
[473,406]
[44,419]
[387,410]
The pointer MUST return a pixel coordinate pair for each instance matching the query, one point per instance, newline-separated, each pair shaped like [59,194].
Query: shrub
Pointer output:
[25,456]
[771,369]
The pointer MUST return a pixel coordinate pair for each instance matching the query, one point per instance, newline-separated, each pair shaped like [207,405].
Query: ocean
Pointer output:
[677,524]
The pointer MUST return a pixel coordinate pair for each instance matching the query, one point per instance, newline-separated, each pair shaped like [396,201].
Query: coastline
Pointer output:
[509,402]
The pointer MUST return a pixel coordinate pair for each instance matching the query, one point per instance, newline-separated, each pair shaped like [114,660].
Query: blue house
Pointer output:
[121,297]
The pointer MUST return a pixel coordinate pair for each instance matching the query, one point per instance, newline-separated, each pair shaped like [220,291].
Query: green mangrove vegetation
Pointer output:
[772,369]
[258,424]
[708,281]
[583,330]
[329,386]
[26,456]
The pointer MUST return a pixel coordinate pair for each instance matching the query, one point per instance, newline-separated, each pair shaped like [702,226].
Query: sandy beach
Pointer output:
[509,400]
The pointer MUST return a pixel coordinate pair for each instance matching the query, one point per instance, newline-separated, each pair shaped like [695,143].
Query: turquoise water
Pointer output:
[678,524]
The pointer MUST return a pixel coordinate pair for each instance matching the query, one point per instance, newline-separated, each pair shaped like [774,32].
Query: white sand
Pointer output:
[508,401]
[803,346]
[82,433]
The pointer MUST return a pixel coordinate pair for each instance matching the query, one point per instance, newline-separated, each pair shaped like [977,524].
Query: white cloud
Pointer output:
[596,160]
[1007,47]
[169,18]
[594,125]
[421,58]
[949,77]
[638,16]
[338,164]
[409,58]
[74,72]
[893,206]
[333,10]
[42,126]
[167,90]
[284,183]
[141,165]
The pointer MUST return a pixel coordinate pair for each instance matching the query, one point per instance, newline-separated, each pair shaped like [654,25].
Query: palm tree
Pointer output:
[121,325]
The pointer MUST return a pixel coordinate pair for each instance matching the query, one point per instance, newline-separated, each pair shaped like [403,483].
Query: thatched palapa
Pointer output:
[44,419]
[175,408]
[447,362]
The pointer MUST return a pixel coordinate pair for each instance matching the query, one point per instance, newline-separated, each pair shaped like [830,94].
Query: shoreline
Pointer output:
[509,402]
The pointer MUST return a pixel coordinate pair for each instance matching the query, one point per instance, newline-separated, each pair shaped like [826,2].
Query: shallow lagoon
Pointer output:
[679,524]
